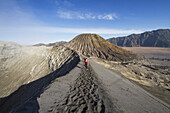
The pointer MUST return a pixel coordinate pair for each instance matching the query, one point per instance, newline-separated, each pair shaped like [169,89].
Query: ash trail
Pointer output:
[84,96]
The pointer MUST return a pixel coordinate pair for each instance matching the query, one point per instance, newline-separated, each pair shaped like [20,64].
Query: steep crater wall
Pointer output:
[21,65]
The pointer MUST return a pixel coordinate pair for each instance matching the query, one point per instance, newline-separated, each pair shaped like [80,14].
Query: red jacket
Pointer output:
[86,62]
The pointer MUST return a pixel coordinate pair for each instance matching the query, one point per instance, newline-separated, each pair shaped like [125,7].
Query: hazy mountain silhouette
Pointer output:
[51,44]
[156,38]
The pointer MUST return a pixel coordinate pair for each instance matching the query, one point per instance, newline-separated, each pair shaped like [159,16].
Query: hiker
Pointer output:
[86,62]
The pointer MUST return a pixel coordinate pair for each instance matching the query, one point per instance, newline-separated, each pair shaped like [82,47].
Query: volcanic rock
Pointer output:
[93,45]
[21,65]
[155,38]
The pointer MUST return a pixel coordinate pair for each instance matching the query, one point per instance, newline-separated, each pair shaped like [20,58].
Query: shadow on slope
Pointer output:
[21,97]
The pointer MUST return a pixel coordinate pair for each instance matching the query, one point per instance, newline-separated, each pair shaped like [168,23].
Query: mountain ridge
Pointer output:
[51,44]
[155,38]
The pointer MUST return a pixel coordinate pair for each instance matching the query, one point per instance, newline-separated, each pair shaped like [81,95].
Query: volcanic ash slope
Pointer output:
[21,65]
[93,45]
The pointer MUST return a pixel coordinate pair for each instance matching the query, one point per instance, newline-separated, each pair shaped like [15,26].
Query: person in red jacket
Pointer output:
[86,62]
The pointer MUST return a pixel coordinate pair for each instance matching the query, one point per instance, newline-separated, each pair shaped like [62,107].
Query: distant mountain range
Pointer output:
[156,38]
[51,44]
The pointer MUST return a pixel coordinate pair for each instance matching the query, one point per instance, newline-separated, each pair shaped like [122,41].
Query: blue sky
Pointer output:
[33,21]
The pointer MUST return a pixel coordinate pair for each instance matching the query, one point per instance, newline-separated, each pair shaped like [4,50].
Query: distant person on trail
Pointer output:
[86,62]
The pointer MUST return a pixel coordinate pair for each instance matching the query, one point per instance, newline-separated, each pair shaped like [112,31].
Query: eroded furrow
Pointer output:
[83,97]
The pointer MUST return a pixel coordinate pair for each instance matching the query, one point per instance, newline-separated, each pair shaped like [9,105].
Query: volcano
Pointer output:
[93,45]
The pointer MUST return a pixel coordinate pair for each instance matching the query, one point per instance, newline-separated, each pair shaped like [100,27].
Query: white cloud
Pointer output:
[33,35]
[80,15]
[12,14]
[108,17]
[90,16]
[68,30]
[64,14]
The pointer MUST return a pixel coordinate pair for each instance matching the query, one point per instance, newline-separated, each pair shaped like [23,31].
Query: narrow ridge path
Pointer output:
[83,96]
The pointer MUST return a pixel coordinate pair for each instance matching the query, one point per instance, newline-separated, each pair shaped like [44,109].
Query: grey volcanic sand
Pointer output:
[103,90]
[78,91]
[156,55]
[58,90]
[95,89]
[127,96]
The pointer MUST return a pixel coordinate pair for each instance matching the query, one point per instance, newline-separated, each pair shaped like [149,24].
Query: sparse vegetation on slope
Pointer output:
[96,46]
